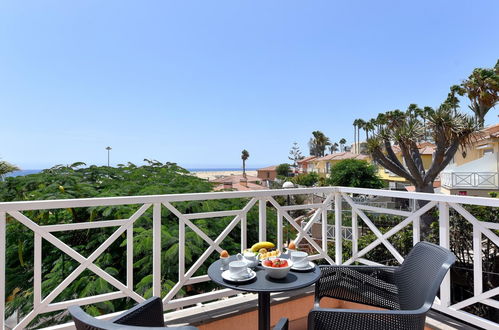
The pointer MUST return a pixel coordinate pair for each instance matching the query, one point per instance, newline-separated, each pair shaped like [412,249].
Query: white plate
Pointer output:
[310,266]
[226,276]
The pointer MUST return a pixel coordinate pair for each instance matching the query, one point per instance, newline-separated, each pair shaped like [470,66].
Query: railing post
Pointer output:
[324,229]
[156,252]
[280,230]
[181,249]
[37,271]
[443,209]
[244,228]
[338,240]
[477,261]
[355,235]
[262,219]
[416,224]
[3,225]
[129,258]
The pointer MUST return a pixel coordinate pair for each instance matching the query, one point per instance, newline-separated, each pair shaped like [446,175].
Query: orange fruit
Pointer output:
[224,254]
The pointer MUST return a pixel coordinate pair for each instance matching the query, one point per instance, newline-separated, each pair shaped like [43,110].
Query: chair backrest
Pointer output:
[83,321]
[420,275]
[146,315]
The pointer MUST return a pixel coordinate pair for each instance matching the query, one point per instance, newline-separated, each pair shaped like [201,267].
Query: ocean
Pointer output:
[217,169]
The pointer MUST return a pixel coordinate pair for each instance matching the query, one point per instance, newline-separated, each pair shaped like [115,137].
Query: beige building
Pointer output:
[474,170]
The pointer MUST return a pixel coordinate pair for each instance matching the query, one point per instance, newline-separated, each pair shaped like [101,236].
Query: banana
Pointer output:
[262,245]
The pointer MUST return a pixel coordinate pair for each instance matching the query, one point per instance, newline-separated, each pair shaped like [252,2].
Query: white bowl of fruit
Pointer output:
[277,267]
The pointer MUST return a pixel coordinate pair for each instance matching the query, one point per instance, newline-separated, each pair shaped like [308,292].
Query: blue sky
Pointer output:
[195,82]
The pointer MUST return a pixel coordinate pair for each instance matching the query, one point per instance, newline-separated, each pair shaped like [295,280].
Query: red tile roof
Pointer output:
[268,168]
[306,159]
[425,148]
[488,132]
[341,156]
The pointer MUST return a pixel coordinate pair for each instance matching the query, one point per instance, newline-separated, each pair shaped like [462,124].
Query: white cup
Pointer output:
[299,259]
[238,269]
[225,262]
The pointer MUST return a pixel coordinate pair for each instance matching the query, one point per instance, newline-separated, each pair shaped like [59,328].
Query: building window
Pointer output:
[488,151]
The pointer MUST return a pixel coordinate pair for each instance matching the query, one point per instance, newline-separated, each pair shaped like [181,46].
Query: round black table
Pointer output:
[264,285]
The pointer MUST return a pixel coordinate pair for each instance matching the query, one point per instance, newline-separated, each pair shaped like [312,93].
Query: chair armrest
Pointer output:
[371,285]
[146,314]
[332,318]
[282,324]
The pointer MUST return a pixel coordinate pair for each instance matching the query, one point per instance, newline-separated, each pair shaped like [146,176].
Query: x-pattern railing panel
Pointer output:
[332,196]
[40,304]
[184,276]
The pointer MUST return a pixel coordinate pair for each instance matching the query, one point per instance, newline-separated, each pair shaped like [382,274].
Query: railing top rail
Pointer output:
[127,200]
[472,172]
[483,201]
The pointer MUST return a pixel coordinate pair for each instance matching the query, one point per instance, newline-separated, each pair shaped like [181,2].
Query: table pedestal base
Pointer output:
[263,311]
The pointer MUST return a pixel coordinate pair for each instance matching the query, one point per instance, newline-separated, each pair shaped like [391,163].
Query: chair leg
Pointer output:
[282,324]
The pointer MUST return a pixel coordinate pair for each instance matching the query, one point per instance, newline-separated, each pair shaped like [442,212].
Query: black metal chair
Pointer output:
[406,291]
[146,315]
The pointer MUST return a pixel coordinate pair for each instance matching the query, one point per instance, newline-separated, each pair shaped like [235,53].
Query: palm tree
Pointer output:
[5,168]
[342,144]
[482,88]
[318,144]
[333,147]
[244,156]
[368,127]
[360,125]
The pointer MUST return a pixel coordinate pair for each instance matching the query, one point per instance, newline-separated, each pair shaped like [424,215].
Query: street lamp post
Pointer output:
[108,152]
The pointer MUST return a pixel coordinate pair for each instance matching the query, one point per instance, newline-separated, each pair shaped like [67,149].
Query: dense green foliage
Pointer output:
[354,173]
[306,179]
[64,182]
[283,169]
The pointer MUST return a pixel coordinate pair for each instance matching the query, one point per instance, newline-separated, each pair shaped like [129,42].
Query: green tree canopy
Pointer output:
[78,181]
[354,173]
[283,169]
[306,179]
[482,88]
[5,168]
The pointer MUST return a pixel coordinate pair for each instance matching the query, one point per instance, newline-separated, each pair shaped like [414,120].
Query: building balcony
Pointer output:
[189,296]
[470,180]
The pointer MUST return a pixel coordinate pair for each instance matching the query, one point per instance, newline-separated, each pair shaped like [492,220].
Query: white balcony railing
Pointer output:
[470,180]
[336,199]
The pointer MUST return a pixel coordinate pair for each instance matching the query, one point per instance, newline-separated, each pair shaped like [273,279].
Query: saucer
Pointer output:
[226,276]
[310,266]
